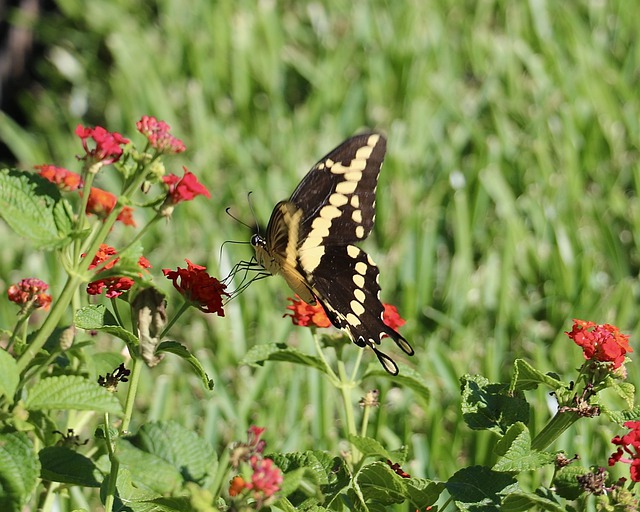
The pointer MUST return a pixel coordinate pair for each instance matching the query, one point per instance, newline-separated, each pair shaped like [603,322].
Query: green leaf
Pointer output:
[379,483]
[566,483]
[180,350]
[520,501]
[480,486]
[423,493]
[406,377]
[369,446]
[488,406]
[9,375]
[128,491]
[34,208]
[626,391]
[60,464]
[149,469]
[320,464]
[99,318]
[281,352]
[72,392]
[19,470]
[179,446]
[516,453]
[526,377]
[620,417]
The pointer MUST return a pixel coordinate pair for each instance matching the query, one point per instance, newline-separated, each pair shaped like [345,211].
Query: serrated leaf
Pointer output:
[566,483]
[34,208]
[180,350]
[480,486]
[72,392]
[423,493]
[620,417]
[19,470]
[626,391]
[516,453]
[520,501]
[489,406]
[526,377]
[407,377]
[9,375]
[281,352]
[60,464]
[368,446]
[128,492]
[179,446]
[320,464]
[149,469]
[99,318]
[379,483]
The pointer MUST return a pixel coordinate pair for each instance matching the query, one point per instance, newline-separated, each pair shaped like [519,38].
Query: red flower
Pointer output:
[392,318]
[198,287]
[101,203]
[602,342]
[157,132]
[306,315]
[107,144]
[30,291]
[183,189]
[64,179]
[114,285]
[629,444]
[266,478]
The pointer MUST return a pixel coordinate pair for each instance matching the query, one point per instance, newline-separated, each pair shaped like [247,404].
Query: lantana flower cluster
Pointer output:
[600,342]
[30,293]
[628,449]
[198,287]
[264,478]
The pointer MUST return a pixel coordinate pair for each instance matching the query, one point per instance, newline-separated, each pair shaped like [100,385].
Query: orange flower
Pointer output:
[64,179]
[306,315]
[183,189]
[237,485]
[101,203]
[392,318]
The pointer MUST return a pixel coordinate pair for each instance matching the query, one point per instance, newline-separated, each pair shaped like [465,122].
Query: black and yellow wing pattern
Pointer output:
[310,242]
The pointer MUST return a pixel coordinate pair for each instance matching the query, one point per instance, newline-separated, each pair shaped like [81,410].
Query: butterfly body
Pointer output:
[310,242]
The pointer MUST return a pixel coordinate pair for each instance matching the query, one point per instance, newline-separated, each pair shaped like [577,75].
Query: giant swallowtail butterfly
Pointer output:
[310,237]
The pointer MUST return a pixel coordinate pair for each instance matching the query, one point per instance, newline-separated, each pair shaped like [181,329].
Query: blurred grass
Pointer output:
[507,205]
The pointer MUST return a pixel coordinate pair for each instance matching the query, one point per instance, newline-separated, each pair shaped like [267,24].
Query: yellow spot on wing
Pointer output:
[356,215]
[359,295]
[353,251]
[361,268]
[358,280]
[346,187]
[360,232]
[355,202]
[353,320]
[338,199]
[356,307]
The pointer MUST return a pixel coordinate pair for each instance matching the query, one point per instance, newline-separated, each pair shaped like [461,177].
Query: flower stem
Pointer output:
[136,371]
[552,430]
[115,466]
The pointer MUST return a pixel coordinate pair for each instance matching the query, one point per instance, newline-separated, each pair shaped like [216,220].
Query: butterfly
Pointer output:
[309,241]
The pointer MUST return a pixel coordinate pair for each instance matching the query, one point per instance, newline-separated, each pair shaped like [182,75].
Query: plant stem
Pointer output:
[552,430]
[131,393]
[115,466]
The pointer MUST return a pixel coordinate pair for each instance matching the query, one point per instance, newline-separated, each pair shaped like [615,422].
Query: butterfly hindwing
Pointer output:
[346,283]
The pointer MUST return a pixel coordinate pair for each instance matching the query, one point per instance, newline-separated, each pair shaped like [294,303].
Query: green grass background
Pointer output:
[507,204]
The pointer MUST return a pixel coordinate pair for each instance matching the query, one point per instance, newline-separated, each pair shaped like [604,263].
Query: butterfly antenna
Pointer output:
[228,212]
[253,211]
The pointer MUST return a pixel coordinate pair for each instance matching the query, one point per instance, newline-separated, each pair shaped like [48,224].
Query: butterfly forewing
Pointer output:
[338,194]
